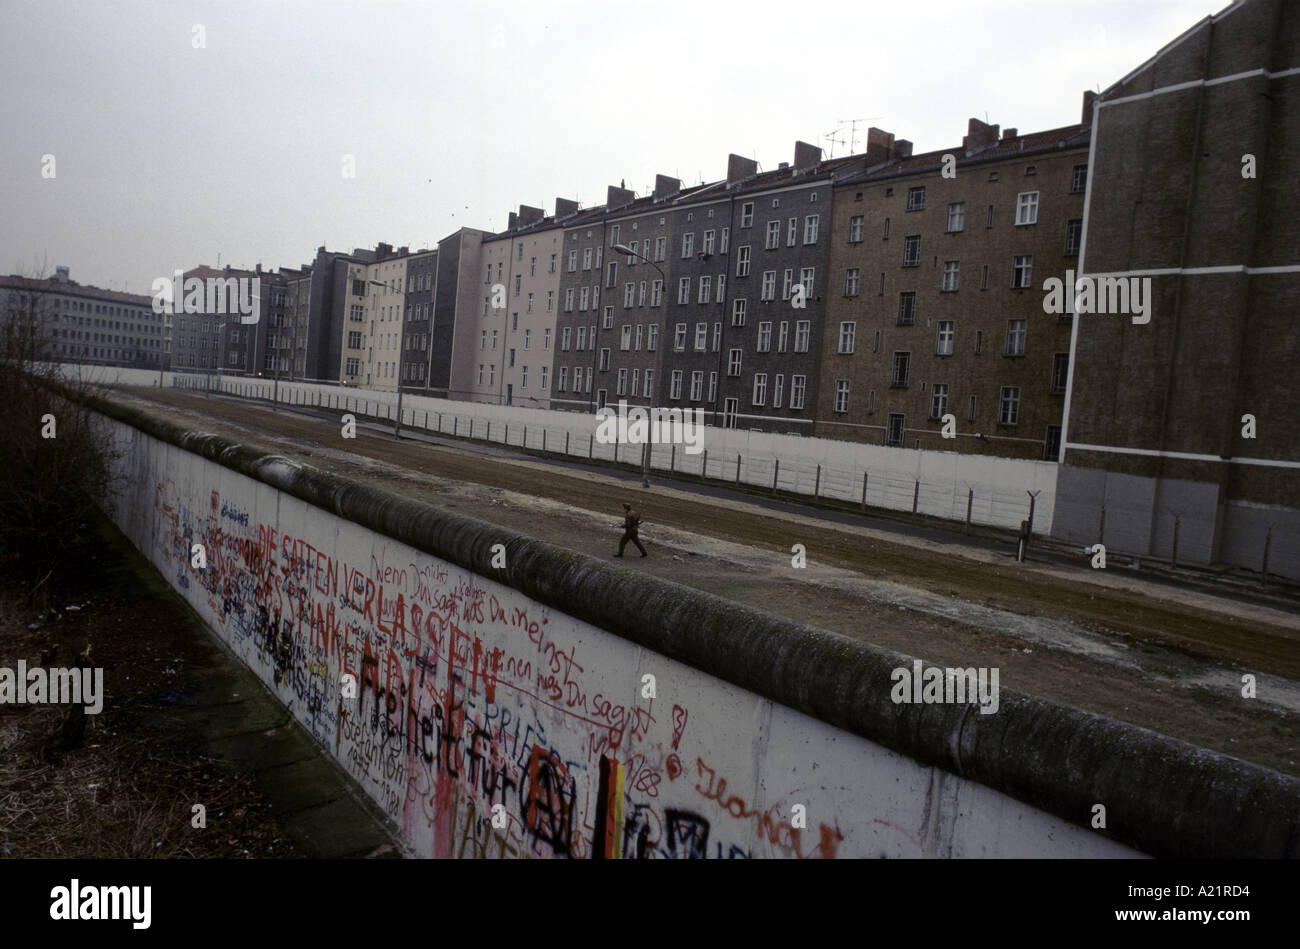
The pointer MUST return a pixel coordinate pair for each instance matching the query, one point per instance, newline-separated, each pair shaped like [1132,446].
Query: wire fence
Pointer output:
[975,502]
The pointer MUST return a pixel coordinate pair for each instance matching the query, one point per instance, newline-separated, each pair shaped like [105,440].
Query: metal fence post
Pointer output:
[970,502]
[817,485]
[916,495]
[864,492]
[672,458]
[1173,557]
[776,470]
[704,466]
[737,467]
[1263,570]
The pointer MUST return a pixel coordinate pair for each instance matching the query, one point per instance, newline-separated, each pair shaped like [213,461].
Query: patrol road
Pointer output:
[1163,657]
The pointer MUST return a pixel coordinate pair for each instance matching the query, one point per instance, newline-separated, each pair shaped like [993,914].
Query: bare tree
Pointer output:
[57,460]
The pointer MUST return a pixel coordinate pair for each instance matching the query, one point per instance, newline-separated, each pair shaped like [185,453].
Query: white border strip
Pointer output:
[1198,83]
[1181,455]
[1199,271]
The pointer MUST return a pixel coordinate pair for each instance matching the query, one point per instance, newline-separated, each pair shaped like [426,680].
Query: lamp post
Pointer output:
[645,448]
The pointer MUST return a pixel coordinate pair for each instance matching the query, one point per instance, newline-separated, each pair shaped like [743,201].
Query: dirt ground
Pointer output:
[1112,642]
[127,792]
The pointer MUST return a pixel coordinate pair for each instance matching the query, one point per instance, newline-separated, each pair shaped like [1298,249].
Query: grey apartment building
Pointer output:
[1185,425]
[935,294]
[87,324]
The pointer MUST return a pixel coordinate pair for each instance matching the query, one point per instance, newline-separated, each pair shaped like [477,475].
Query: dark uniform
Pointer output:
[631,520]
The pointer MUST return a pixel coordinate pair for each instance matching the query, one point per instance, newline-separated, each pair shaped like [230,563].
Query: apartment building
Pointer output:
[578,322]
[382,333]
[521,272]
[456,309]
[421,272]
[935,294]
[88,324]
[1181,428]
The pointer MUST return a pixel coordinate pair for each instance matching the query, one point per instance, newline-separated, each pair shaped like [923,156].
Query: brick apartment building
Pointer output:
[935,294]
[1193,186]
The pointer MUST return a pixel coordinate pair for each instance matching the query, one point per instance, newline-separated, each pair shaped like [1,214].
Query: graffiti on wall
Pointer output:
[483,723]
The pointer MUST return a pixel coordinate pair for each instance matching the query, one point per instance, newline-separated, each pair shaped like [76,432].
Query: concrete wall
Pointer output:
[519,691]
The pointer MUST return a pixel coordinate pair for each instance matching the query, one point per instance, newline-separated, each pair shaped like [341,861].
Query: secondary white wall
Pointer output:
[489,698]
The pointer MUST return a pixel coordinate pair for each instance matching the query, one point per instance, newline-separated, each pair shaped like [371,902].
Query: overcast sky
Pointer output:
[167,155]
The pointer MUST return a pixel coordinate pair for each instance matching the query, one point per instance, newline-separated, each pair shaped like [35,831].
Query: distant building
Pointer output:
[90,325]
[1181,422]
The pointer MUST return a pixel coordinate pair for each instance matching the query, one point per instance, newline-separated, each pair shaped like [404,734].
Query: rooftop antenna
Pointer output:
[853,130]
[834,140]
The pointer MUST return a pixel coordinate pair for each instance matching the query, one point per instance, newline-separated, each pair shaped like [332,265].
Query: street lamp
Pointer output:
[645,448]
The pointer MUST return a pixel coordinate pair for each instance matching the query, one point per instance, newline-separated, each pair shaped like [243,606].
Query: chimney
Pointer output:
[1009,135]
[902,148]
[383,250]
[978,135]
[666,187]
[739,168]
[61,274]
[616,197]
[511,221]
[1089,98]
[529,215]
[806,156]
[564,207]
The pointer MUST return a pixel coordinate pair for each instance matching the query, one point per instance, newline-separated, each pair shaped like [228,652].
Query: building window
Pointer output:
[1027,208]
[726,240]
[944,345]
[769,285]
[802,330]
[675,387]
[811,224]
[855,229]
[661,248]
[584,297]
[656,292]
[701,337]
[1052,447]
[545,371]
[582,338]
[1016,337]
[956,217]
[950,273]
[841,395]
[1073,237]
[783,337]
[738,308]
[773,240]
[679,338]
[625,338]
[902,369]
[713,387]
[938,400]
[1060,372]
[1010,410]
[1022,271]
[747,214]
[697,385]
[565,338]
[847,331]
[912,251]
[652,337]
[764,337]
[778,390]
[621,386]
[733,363]
[586,258]
[717,336]
[611,274]
[885,234]
[984,277]
[798,385]
[684,290]
[894,432]
[851,280]
[706,289]
[649,383]
[760,389]
[1080,179]
[688,245]
[916,199]
[629,295]
[708,243]
[907,309]
[990,218]
[742,261]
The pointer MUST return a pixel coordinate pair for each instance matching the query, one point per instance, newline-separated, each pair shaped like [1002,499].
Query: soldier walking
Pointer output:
[631,521]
